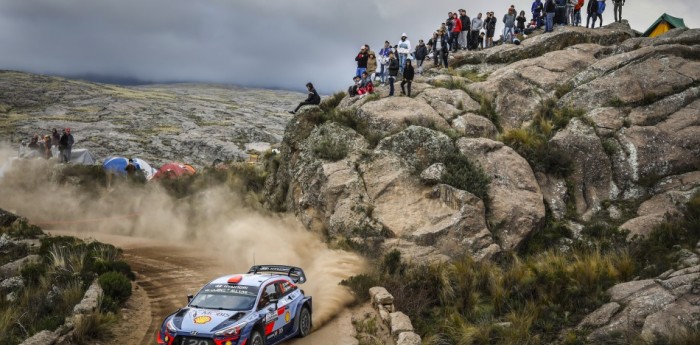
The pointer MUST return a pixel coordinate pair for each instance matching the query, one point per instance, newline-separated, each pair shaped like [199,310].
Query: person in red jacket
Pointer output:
[456,30]
[577,12]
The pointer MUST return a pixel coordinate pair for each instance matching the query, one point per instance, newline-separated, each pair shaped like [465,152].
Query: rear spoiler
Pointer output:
[296,273]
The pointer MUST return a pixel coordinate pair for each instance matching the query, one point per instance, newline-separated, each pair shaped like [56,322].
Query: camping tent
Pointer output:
[663,25]
[82,156]
[117,165]
[174,170]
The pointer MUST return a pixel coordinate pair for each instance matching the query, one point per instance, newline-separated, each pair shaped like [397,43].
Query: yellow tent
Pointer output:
[663,25]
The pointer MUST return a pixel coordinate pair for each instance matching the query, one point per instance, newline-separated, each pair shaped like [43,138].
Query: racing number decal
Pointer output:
[196,342]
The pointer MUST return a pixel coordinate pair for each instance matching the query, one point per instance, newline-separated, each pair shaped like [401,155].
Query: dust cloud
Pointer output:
[215,221]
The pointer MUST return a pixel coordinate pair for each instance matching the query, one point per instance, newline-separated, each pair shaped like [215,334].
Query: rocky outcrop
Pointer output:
[398,323]
[474,126]
[449,103]
[670,196]
[655,309]
[516,201]
[393,114]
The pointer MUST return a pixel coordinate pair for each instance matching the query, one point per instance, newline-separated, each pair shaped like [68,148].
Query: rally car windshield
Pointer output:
[226,297]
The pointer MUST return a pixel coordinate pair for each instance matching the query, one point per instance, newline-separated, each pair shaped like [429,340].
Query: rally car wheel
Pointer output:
[256,338]
[304,322]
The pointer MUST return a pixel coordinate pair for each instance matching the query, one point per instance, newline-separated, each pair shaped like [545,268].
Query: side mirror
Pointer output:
[189,298]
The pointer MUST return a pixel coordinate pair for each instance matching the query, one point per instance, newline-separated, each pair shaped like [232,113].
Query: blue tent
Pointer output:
[117,165]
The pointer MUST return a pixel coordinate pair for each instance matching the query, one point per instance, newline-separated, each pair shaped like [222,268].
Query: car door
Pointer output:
[271,314]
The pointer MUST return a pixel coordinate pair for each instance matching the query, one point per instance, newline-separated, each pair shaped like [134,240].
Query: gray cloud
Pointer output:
[265,43]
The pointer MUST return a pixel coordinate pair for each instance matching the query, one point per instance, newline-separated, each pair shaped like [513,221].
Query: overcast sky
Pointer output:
[262,43]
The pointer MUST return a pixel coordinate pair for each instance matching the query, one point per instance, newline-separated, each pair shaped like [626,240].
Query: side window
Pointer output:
[286,288]
[269,291]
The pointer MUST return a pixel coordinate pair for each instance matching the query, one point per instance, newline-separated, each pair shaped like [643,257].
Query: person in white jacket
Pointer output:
[403,48]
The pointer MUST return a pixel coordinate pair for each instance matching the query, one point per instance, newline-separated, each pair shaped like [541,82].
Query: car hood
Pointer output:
[206,320]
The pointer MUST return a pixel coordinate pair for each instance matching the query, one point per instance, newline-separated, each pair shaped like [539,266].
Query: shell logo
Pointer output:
[287,316]
[200,320]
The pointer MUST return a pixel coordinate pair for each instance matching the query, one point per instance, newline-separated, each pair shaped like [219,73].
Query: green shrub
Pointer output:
[332,102]
[616,102]
[360,285]
[21,228]
[115,285]
[462,174]
[330,149]
[32,273]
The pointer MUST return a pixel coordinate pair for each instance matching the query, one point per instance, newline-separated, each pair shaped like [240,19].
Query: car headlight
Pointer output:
[231,330]
[170,326]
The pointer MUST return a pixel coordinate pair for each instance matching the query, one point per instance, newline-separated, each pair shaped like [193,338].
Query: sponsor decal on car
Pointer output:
[200,320]
[287,316]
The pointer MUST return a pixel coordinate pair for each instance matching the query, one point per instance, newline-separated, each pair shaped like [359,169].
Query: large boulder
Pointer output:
[418,146]
[449,103]
[592,174]
[670,196]
[393,114]
[475,126]
[517,206]
[655,309]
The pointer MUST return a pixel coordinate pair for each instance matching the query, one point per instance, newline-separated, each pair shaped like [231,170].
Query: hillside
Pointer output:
[518,186]
[193,123]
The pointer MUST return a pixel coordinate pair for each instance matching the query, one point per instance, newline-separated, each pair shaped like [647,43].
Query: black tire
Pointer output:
[304,322]
[256,338]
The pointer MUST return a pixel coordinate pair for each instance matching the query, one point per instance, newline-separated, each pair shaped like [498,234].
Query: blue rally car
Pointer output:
[263,307]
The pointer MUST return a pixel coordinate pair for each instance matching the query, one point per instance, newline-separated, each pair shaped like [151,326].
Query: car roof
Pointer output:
[250,279]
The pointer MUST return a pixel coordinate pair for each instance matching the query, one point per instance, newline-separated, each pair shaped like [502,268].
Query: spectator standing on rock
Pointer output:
[464,34]
[560,14]
[570,5]
[520,27]
[65,145]
[577,12]
[617,8]
[421,53]
[601,9]
[34,143]
[477,25]
[537,10]
[550,10]
[361,59]
[440,50]
[403,48]
[509,23]
[456,31]
[394,67]
[371,62]
[592,11]
[384,60]
[312,99]
[407,78]
[490,26]
[449,23]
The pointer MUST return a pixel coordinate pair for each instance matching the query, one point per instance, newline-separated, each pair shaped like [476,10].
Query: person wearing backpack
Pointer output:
[577,12]
[617,9]
[599,13]
[592,11]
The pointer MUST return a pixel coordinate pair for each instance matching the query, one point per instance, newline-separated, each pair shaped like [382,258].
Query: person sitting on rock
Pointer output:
[313,99]
[366,85]
[352,90]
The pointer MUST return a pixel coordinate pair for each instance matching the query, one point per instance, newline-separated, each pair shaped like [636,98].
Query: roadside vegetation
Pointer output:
[532,296]
[56,281]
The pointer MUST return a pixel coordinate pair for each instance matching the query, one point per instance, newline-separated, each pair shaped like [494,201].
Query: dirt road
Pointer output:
[166,274]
